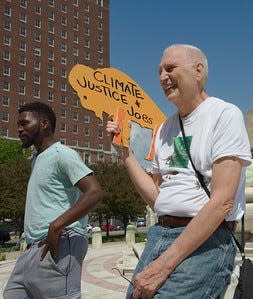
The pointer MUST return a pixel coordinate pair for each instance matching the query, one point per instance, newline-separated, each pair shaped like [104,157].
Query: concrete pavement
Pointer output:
[99,280]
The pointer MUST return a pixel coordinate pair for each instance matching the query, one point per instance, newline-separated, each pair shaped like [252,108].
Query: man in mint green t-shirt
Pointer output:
[60,193]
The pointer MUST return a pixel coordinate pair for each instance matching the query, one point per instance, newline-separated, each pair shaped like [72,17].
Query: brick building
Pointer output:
[40,42]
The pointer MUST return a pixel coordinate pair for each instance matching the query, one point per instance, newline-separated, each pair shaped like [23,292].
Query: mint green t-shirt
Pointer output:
[51,190]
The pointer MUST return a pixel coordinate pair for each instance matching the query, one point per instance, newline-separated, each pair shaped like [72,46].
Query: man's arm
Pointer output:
[224,185]
[145,185]
[92,194]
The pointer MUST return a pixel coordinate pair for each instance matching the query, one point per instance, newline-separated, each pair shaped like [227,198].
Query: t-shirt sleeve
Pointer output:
[73,166]
[230,137]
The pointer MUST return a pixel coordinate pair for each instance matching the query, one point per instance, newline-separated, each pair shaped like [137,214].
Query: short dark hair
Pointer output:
[42,109]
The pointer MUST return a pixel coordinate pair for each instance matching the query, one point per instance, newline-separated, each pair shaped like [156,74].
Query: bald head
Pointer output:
[193,54]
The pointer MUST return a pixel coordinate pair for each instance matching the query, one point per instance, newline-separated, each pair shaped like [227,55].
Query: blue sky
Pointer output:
[223,29]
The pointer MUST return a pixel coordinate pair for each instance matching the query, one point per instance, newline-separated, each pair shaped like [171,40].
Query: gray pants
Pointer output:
[60,279]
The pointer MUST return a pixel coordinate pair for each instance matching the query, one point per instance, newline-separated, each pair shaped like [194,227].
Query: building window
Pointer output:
[75,2]
[6,70]
[86,20]
[23,17]
[86,118]
[51,15]
[86,31]
[22,60]
[100,60]
[75,14]
[37,52]
[75,51]
[74,142]
[86,7]
[75,27]
[75,39]
[63,113]
[22,75]
[86,144]
[100,37]
[75,102]
[23,3]
[36,79]
[63,21]
[100,134]
[63,100]
[5,101]
[21,89]
[63,47]
[99,2]
[51,3]
[22,46]
[87,131]
[7,25]
[7,55]
[87,43]
[5,132]
[100,25]
[37,36]
[37,9]
[50,55]
[63,73]
[100,146]
[7,40]
[51,28]
[22,31]
[37,65]
[63,7]
[63,60]
[50,83]
[100,14]
[100,49]
[6,86]
[63,127]
[38,23]
[51,42]
[75,129]
[50,96]
[63,86]
[87,158]
[7,11]
[50,69]
[64,34]
[75,115]
[36,93]
[87,56]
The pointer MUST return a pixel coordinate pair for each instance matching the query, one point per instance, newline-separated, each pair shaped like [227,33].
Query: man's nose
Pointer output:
[164,76]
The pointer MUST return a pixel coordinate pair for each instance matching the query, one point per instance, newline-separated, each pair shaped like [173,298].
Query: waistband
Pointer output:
[175,221]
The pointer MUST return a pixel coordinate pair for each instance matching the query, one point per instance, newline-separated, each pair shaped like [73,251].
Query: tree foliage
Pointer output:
[120,197]
[10,149]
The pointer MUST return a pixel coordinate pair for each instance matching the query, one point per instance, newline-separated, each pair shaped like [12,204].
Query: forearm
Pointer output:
[196,233]
[82,207]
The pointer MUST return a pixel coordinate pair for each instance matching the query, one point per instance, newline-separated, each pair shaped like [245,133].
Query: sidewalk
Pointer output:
[98,278]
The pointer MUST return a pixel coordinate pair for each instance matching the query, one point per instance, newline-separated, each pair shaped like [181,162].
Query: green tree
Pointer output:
[120,197]
[10,149]
[14,174]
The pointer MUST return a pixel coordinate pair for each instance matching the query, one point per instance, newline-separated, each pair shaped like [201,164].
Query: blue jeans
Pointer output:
[202,275]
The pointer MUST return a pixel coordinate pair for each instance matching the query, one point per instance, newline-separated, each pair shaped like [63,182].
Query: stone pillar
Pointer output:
[130,234]
[151,217]
[96,238]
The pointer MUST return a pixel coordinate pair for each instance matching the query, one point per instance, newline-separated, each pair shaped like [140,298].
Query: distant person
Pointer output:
[190,252]
[60,193]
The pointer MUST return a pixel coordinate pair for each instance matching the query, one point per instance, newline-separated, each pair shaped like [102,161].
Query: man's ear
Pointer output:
[45,123]
[200,71]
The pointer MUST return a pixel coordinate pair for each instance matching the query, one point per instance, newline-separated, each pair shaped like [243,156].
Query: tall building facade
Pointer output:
[41,40]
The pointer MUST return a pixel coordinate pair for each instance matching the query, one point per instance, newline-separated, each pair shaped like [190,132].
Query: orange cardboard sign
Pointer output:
[113,92]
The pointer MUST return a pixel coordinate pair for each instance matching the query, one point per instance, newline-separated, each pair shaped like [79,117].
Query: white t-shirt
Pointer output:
[213,130]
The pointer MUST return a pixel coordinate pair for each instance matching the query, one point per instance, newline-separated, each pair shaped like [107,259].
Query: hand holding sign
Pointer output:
[113,92]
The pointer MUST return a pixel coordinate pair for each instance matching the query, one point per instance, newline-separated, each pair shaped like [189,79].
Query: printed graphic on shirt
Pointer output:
[180,157]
